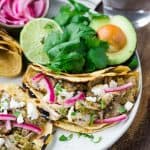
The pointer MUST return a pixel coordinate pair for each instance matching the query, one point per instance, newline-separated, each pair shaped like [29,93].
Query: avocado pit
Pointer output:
[114,36]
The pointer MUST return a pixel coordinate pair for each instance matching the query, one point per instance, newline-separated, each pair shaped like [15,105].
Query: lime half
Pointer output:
[32,39]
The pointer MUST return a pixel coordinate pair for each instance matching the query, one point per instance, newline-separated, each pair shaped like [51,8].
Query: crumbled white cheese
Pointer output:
[45,98]
[4,106]
[32,111]
[5,96]
[14,104]
[69,113]
[91,99]
[2,142]
[107,98]
[128,105]
[112,84]
[5,112]
[64,94]
[4,102]
[41,84]
[35,84]
[99,89]
[53,114]
[20,118]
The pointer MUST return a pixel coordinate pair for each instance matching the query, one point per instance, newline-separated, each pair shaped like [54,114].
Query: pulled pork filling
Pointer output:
[84,103]
[20,123]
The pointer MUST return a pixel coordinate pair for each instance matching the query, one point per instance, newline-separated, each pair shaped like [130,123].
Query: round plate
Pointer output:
[109,135]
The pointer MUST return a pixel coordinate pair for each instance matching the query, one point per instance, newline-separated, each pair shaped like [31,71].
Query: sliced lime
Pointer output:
[32,39]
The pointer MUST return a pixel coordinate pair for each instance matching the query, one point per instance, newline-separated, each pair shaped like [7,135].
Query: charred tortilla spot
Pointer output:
[44,147]
[31,94]
[44,113]
[46,138]
[24,86]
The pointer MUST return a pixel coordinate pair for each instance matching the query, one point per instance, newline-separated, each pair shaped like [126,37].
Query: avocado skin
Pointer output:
[126,26]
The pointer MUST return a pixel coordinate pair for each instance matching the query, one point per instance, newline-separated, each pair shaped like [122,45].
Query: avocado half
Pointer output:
[126,52]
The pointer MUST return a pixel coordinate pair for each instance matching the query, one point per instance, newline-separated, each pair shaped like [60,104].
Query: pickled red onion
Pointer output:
[29,127]
[48,85]
[19,12]
[119,88]
[71,101]
[111,120]
[7,117]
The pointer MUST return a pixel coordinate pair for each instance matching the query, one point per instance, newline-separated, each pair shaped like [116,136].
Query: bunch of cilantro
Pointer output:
[78,48]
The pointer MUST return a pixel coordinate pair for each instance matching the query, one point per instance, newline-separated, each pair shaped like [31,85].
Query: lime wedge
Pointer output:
[32,39]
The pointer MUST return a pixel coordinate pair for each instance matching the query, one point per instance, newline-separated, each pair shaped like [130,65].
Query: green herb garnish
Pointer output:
[16,113]
[90,136]
[77,49]
[65,138]
[58,88]
[92,118]
[102,104]
[73,113]
[97,140]
[122,109]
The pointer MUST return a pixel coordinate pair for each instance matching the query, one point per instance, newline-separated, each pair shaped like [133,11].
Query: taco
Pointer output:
[84,103]
[23,126]
[10,56]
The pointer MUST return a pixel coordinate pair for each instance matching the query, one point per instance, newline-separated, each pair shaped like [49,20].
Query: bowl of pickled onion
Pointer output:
[16,13]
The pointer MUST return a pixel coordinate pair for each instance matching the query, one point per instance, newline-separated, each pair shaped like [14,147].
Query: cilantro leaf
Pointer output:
[97,139]
[90,136]
[92,118]
[65,138]
[102,104]
[53,39]
[79,7]
[58,88]
[73,113]
[16,113]
[121,109]
[64,15]
[72,62]
[98,56]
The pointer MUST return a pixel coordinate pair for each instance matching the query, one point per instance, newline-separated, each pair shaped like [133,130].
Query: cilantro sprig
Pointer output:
[77,49]
[93,138]
[64,138]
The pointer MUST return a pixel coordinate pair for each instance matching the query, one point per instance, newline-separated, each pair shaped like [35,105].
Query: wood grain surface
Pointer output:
[138,135]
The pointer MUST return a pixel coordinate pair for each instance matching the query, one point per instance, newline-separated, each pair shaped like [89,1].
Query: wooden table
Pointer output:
[138,135]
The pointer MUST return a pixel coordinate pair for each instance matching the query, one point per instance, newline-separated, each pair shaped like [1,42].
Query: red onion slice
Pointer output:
[2,2]
[119,88]
[50,90]
[112,120]
[38,7]
[7,117]
[71,101]
[29,127]
[48,85]
[38,77]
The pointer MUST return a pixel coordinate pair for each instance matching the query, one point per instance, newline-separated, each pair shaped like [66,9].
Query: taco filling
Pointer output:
[104,100]
[22,126]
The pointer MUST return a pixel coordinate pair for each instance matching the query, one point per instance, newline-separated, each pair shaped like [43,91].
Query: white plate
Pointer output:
[109,135]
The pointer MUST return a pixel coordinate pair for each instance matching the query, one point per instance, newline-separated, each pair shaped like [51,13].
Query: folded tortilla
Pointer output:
[10,56]
[96,104]
[18,138]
